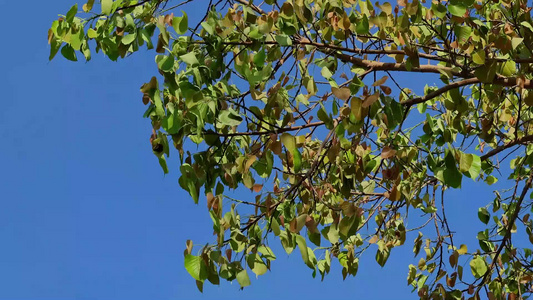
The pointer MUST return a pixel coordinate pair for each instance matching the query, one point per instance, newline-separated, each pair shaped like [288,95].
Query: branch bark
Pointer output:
[522,140]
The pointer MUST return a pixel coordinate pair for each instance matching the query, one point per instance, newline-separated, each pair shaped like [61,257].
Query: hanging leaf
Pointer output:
[180,24]
[196,267]
[107,6]
[478,266]
[243,279]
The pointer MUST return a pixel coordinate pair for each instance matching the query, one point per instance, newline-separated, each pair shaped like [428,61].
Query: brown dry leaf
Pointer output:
[395,195]
[228,254]
[276,147]
[285,80]
[341,93]
[387,90]
[369,100]
[311,225]
[454,44]
[160,48]
[120,31]
[210,200]
[168,19]
[450,281]
[373,240]
[470,289]
[293,226]
[380,81]
[145,88]
[453,259]
[268,204]
[189,246]
[387,152]
[257,187]
[526,279]
[250,162]
[146,99]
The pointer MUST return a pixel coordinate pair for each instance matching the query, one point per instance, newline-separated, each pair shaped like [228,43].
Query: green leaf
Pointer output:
[259,58]
[527,25]
[256,264]
[180,24]
[516,41]
[487,72]
[323,116]
[326,73]
[465,162]
[229,117]
[463,33]
[457,8]
[283,40]
[128,39]
[68,52]
[192,190]
[412,274]
[55,45]
[274,225]
[491,180]
[243,279]
[302,244]
[71,13]
[451,175]
[289,141]
[478,266]
[159,109]
[382,256]
[106,6]
[508,68]
[76,40]
[297,160]
[196,267]
[348,226]
[478,57]
[362,26]
[266,252]
[163,163]
[91,33]
[165,63]
[483,215]
[475,167]
[438,9]
[190,59]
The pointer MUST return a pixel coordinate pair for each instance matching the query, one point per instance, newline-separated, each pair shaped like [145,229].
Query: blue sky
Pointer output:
[86,211]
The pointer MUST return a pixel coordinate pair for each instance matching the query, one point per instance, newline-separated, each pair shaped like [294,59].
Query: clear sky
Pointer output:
[86,212]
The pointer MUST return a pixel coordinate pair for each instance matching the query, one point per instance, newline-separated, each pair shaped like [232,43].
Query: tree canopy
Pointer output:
[346,119]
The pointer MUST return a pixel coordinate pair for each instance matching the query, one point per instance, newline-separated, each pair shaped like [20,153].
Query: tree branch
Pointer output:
[440,91]
[510,225]
[274,131]
[522,140]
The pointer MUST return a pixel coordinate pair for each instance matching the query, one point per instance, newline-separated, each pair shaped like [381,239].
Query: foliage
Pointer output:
[301,102]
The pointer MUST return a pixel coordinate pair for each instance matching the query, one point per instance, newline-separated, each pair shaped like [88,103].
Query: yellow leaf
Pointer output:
[462,250]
